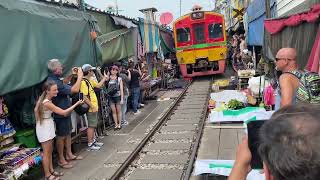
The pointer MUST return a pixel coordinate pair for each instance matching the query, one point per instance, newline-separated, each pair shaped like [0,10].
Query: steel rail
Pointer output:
[138,149]
[193,155]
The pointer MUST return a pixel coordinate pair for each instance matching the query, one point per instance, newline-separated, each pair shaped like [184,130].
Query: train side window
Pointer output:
[183,35]
[215,31]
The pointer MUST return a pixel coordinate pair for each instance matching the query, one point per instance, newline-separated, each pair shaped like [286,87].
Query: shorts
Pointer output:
[92,118]
[63,126]
[115,100]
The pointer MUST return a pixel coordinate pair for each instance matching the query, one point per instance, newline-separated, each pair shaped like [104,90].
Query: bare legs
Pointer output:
[90,134]
[47,157]
[116,114]
[60,147]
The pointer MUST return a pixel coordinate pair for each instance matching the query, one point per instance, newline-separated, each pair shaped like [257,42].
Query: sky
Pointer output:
[131,8]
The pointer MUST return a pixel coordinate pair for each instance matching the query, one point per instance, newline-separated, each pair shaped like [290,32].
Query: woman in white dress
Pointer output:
[45,127]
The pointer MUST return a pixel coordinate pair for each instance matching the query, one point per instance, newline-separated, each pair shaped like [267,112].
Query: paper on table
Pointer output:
[222,167]
[259,114]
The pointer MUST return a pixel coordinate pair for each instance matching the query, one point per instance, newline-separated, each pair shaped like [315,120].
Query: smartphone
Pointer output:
[254,142]
[80,96]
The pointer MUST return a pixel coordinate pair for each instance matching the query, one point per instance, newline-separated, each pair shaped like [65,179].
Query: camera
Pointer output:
[106,70]
[74,70]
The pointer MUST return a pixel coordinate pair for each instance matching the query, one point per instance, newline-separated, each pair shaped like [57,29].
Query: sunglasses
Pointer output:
[278,59]
[115,69]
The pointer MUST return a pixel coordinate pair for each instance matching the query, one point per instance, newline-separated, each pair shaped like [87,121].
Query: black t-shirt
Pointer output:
[135,78]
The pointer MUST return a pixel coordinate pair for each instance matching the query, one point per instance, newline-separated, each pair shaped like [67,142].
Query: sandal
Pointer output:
[56,173]
[65,166]
[75,158]
[52,177]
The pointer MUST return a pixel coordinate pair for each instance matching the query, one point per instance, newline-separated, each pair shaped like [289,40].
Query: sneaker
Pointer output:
[94,147]
[136,113]
[124,123]
[142,105]
[98,143]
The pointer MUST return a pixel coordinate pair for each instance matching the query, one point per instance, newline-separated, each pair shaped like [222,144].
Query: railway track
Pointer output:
[169,149]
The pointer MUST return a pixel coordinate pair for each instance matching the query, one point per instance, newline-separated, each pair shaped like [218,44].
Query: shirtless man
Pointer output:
[288,83]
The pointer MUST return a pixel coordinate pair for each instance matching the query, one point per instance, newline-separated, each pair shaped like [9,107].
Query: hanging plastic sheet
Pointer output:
[117,45]
[295,37]
[255,17]
[314,59]
[150,34]
[32,33]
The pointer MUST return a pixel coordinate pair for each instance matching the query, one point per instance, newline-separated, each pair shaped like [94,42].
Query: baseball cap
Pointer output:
[87,67]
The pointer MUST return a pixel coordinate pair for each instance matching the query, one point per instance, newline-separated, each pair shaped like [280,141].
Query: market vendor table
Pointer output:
[220,142]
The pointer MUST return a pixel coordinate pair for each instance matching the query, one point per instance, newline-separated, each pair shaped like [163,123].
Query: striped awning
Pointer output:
[149,33]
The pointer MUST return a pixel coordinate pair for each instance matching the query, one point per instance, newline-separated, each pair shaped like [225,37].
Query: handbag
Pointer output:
[113,88]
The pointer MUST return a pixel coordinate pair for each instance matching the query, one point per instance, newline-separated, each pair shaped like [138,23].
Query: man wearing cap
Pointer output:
[63,123]
[87,88]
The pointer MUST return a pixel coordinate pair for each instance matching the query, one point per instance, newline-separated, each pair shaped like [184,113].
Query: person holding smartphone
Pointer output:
[135,87]
[289,146]
[125,75]
[89,96]
[45,127]
[62,100]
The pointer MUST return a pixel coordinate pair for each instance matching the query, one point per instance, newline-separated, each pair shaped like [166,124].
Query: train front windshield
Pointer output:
[215,30]
[183,35]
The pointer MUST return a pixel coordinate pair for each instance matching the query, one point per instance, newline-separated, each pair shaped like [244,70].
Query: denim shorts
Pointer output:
[63,126]
[115,100]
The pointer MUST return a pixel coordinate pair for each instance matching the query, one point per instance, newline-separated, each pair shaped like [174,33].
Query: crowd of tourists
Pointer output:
[54,107]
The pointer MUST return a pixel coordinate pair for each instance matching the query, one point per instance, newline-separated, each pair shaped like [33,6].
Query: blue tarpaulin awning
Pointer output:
[256,16]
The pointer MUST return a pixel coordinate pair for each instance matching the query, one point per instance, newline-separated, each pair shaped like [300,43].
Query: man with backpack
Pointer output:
[294,84]
[288,83]
[88,84]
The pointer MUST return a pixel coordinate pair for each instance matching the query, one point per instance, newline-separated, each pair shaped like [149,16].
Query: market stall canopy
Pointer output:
[123,22]
[117,45]
[256,14]
[32,33]
[105,22]
[167,42]
[150,35]
[274,26]
[301,36]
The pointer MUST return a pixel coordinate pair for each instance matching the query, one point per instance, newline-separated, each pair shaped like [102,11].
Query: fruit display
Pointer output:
[246,73]
[235,104]
[212,104]
[221,83]
[221,107]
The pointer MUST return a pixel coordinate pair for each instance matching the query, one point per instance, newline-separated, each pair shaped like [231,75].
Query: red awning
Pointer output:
[276,25]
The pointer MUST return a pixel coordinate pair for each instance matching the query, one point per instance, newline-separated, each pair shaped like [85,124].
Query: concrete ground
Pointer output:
[118,144]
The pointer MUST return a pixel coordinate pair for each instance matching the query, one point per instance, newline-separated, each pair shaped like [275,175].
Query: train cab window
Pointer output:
[183,35]
[199,30]
[215,31]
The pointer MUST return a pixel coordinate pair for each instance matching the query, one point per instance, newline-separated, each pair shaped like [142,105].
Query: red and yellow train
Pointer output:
[200,41]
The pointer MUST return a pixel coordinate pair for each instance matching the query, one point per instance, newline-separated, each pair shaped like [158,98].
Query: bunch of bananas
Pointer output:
[221,83]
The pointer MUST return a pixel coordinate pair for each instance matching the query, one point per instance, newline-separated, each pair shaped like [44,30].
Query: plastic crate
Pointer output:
[27,137]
